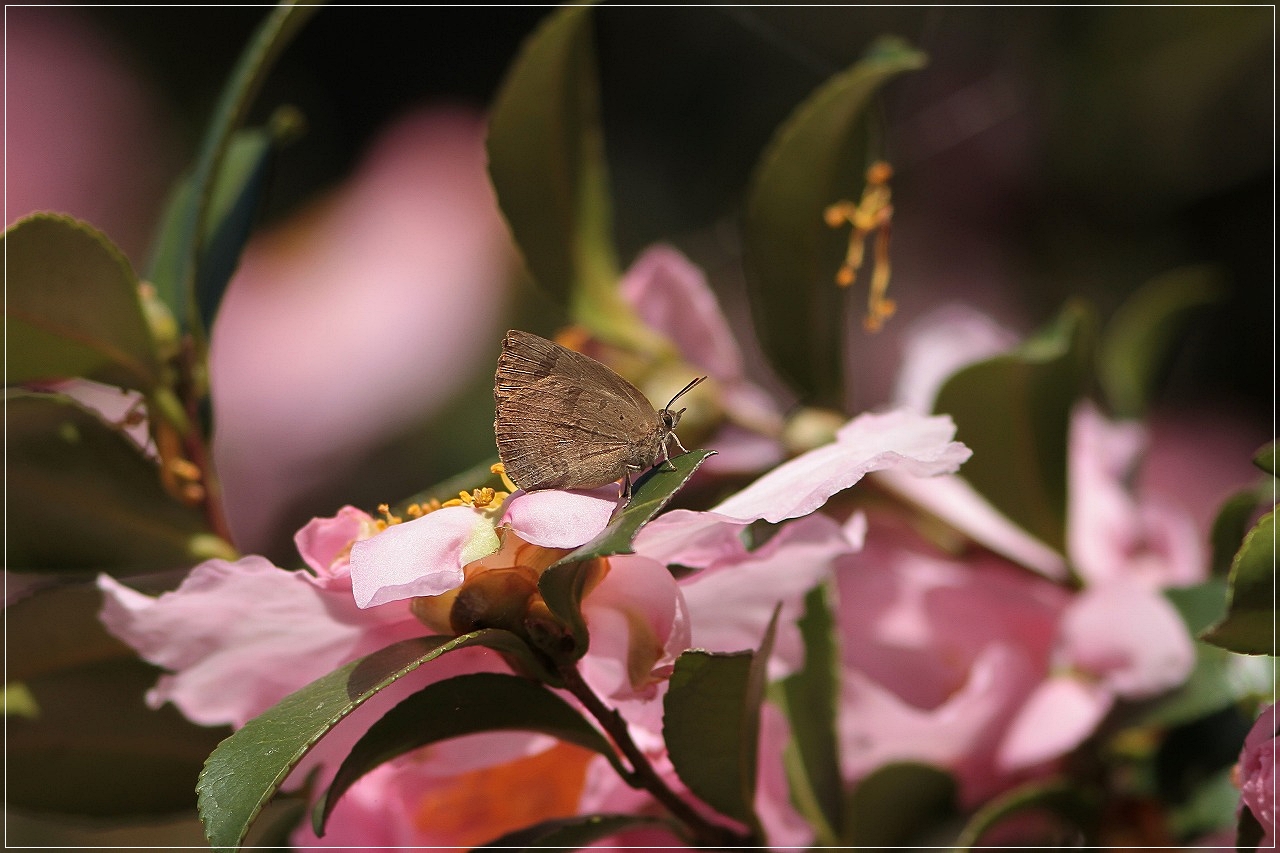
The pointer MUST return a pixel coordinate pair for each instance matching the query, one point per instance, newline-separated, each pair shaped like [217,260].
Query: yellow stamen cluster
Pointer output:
[484,498]
[872,214]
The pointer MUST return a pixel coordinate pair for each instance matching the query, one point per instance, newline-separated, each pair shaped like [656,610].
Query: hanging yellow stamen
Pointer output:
[872,214]
[501,470]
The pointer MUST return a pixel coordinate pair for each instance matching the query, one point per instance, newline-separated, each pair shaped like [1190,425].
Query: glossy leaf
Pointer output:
[1142,334]
[817,157]
[85,498]
[72,307]
[1265,458]
[97,750]
[190,227]
[650,494]
[1231,525]
[466,704]
[1014,412]
[711,723]
[572,833]
[247,769]
[236,196]
[1251,608]
[809,699]
[57,629]
[897,803]
[1077,808]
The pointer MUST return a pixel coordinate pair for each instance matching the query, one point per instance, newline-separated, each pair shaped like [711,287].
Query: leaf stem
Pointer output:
[704,832]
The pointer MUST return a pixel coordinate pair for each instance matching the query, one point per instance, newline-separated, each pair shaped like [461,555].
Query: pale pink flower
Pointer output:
[356,319]
[1257,772]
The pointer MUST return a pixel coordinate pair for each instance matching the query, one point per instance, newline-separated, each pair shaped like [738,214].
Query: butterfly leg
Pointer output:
[626,489]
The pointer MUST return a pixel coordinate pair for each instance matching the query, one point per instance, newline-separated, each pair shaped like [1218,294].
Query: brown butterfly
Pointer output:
[565,421]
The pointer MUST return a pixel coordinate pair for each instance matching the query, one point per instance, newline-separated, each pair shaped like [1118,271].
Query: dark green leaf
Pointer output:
[817,157]
[236,196]
[547,163]
[711,723]
[1251,605]
[56,629]
[1014,412]
[247,769]
[572,833]
[1210,808]
[72,307]
[97,750]
[809,698]
[1231,525]
[650,494]
[1076,807]
[1265,459]
[1142,333]
[85,498]
[191,227]
[897,803]
[480,702]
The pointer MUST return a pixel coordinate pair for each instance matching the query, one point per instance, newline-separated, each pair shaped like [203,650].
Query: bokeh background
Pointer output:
[1042,154]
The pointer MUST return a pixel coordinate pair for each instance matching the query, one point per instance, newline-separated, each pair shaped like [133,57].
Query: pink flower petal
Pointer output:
[1129,637]
[900,440]
[1058,716]
[940,344]
[561,519]
[690,538]
[325,544]
[420,557]
[238,637]
[672,295]
[731,603]
[957,503]
[1257,769]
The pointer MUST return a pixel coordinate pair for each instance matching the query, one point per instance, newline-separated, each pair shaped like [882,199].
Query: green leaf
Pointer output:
[650,494]
[897,803]
[1230,526]
[1251,607]
[1014,412]
[1142,333]
[817,157]
[572,833]
[97,750]
[247,769]
[563,584]
[547,163]
[1265,458]
[57,629]
[72,307]
[1210,808]
[1078,808]
[85,498]
[480,702]
[809,699]
[236,196]
[711,723]
[191,229]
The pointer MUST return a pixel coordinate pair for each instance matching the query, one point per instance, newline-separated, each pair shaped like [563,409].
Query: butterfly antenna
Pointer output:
[685,390]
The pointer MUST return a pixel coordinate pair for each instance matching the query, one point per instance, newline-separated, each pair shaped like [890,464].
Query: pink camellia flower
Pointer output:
[1256,773]
[336,332]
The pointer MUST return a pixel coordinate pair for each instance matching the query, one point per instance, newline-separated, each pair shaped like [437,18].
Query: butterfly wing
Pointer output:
[564,420]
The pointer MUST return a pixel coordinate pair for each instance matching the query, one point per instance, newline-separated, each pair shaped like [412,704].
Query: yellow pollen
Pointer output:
[872,214]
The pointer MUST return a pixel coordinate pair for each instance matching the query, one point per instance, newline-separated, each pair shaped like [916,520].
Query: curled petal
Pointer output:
[1129,638]
[1257,771]
[561,519]
[940,344]
[420,557]
[898,440]
[690,538]
[325,544]
[1056,718]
